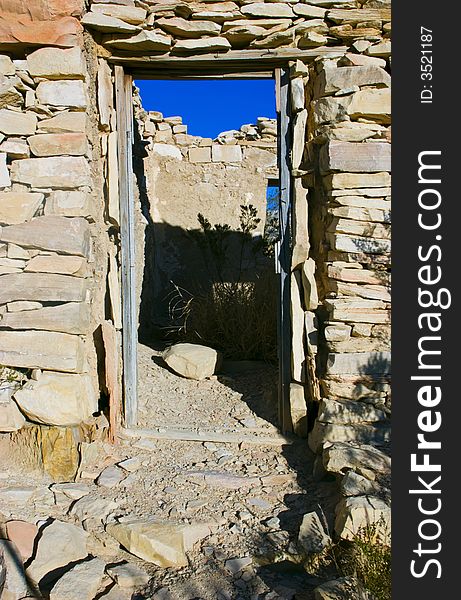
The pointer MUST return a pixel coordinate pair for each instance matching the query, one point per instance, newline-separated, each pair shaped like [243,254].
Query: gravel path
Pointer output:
[252,497]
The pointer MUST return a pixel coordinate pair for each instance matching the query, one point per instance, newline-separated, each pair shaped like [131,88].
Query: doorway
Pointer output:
[204,212]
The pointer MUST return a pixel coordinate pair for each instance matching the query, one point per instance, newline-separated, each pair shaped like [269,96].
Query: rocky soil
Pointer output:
[237,506]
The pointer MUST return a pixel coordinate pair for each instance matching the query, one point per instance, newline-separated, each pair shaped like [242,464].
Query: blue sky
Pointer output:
[210,106]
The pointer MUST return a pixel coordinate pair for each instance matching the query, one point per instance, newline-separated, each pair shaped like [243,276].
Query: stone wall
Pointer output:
[341,277]
[186,28]
[59,204]
[50,218]
[187,175]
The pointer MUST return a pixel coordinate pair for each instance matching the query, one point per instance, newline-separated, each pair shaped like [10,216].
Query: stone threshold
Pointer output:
[203,435]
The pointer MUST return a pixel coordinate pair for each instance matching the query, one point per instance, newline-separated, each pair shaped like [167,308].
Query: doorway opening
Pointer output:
[206,225]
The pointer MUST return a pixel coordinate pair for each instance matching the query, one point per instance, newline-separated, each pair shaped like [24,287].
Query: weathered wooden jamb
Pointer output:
[123,92]
[283,248]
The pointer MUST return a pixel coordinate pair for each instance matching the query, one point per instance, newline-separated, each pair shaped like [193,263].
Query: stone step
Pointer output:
[202,435]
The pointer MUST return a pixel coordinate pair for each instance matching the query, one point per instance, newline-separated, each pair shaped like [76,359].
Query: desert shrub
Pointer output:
[365,560]
[236,318]
[235,315]
[368,559]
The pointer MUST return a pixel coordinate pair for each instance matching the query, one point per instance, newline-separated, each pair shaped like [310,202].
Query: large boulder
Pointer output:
[191,360]
[356,514]
[58,399]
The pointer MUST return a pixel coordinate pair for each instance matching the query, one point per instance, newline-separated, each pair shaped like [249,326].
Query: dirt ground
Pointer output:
[252,496]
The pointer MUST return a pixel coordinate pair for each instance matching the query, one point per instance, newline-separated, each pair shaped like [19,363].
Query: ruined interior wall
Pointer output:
[187,175]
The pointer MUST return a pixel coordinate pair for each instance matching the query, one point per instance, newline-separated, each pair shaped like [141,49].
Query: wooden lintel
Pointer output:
[234,61]
[156,73]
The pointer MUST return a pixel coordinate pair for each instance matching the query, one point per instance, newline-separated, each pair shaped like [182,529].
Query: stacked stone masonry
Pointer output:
[59,201]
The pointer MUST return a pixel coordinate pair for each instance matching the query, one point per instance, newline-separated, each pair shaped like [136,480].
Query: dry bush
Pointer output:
[236,318]
[367,559]
[235,311]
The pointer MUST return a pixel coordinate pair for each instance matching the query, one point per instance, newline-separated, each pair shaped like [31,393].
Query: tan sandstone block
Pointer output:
[54,63]
[43,350]
[17,207]
[58,234]
[17,123]
[62,93]
[200,155]
[52,172]
[58,399]
[58,144]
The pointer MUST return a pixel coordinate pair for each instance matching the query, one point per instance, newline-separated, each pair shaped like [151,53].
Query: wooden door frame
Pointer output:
[124,109]
[124,76]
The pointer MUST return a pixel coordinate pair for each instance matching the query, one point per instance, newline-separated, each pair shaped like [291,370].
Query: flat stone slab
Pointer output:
[17,207]
[42,350]
[58,234]
[128,575]
[107,24]
[359,433]
[164,544]
[361,363]
[366,157]
[72,317]
[62,94]
[23,534]
[110,477]
[92,506]
[222,479]
[17,123]
[235,565]
[363,459]
[79,583]
[60,544]
[62,172]
[66,122]
[54,63]
[348,412]
[43,287]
